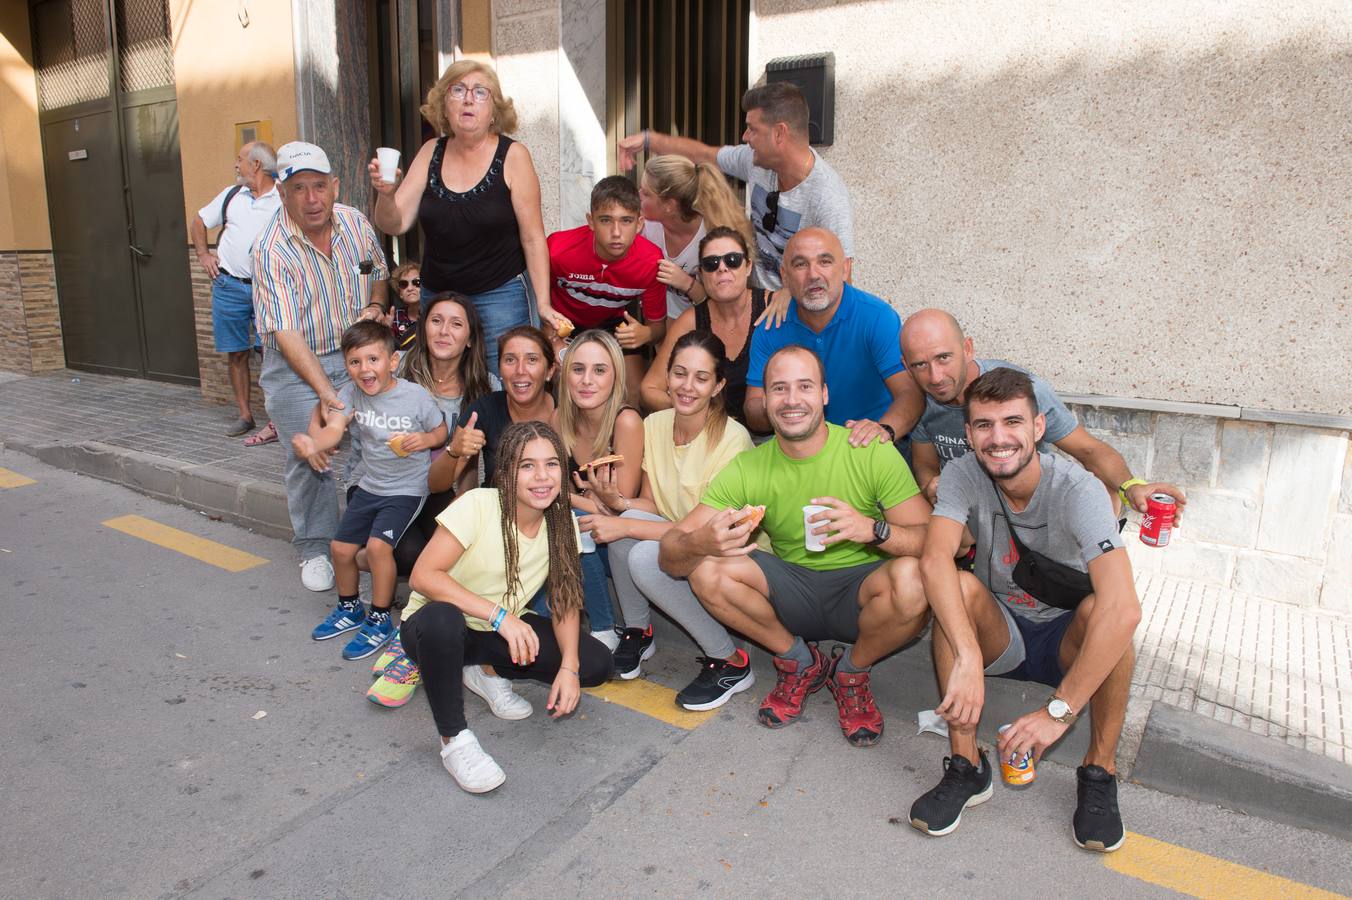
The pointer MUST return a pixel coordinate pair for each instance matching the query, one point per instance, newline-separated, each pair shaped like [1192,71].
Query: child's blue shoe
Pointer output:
[345,617]
[375,632]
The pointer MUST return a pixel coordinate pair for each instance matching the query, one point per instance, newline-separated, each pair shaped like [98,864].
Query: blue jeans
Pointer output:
[232,315]
[500,309]
[595,590]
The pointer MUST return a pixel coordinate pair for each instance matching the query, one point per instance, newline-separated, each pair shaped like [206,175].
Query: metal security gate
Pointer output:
[677,66]
[109,120]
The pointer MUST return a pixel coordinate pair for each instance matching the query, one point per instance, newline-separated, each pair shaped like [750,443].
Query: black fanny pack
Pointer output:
[1054,583]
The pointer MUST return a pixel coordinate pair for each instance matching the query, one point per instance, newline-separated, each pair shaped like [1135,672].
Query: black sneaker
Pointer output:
[939,811]
[636,645]
[1097,824]
[717,680]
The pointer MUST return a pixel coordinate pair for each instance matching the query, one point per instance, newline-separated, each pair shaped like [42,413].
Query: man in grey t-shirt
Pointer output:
[987,624]
[790,186]
[940,359]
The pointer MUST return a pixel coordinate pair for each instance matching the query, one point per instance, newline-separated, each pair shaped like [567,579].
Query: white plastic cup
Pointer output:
[813,541]
[388,160]
[586,543]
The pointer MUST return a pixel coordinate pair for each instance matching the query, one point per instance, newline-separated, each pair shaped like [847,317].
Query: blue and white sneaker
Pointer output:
[375,632]
[344,618]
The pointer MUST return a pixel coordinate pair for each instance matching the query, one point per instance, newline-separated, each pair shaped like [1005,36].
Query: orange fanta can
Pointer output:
[1017,768]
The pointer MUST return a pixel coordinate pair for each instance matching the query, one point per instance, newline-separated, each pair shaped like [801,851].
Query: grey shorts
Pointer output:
[812,605]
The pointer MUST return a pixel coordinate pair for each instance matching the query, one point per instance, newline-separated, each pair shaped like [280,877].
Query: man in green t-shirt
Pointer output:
[864,587]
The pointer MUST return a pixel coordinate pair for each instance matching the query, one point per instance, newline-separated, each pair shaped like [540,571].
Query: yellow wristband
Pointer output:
[1130,482]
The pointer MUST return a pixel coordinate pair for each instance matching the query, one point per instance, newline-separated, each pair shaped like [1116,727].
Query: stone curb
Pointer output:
[257,505]
[1189,755]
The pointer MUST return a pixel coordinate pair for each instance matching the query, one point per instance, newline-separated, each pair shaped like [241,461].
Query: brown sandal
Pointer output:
[265,435]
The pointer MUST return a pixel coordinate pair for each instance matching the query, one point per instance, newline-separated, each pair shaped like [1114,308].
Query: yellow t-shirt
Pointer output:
[679,476]
[475,518]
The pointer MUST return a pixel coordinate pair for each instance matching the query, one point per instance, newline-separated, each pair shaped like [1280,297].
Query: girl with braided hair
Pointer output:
[493,549]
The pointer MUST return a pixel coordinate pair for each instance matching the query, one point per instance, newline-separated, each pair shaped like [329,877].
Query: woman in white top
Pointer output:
[493,549]
[684,447]
[679,201]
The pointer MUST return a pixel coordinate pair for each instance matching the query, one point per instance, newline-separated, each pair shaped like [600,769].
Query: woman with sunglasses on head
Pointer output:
[680,200]
[732,309]
[684,447]
[594,422]
[475,193]
[494,548]
[407,307]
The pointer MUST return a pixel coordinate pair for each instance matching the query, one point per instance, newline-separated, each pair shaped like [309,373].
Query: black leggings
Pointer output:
[438,640]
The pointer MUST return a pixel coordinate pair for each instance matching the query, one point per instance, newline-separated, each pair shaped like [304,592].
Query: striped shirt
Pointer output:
[297,288]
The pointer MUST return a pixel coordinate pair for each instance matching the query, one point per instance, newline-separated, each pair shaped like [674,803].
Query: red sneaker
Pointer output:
[785,703]
[860,719]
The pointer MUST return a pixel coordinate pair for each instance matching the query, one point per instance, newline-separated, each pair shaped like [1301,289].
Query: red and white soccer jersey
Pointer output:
[592,292]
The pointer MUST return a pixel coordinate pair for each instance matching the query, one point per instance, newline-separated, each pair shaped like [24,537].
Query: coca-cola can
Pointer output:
[1158,521]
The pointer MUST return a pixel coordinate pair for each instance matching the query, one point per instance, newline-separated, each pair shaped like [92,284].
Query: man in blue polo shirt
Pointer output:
[853,332]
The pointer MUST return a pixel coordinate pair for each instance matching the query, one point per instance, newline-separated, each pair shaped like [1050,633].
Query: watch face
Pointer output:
[1058,708]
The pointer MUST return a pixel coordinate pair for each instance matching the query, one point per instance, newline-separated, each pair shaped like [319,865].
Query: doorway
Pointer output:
[109,120]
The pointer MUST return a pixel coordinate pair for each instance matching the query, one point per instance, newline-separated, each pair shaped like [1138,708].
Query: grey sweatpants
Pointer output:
[311,497]
[640,581]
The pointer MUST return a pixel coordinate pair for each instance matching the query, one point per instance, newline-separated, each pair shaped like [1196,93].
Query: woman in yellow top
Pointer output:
[684,447]
[493,549]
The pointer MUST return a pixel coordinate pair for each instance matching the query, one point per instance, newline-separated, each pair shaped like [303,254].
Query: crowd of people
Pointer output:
[692,404]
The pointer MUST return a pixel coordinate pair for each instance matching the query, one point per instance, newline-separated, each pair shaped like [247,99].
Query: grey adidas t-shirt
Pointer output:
[406,407]
[1070,519]
[944,426]
[821,201]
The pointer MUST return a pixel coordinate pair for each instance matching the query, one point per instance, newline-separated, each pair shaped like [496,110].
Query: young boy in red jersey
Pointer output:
[598,271]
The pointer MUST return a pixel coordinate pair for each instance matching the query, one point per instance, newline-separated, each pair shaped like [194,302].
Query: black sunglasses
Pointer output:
[731,260]
[770,220]
[409,282]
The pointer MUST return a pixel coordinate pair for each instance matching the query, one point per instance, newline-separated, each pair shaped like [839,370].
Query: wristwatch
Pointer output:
[881,532]
[1059,710]
[891,432]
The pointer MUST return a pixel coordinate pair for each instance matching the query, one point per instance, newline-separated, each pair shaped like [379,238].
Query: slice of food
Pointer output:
[563,327]
[754,513]
[396,443]
[603,461]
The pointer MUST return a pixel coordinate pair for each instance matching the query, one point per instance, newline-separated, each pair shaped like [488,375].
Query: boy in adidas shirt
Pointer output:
[395,423]
[599,270]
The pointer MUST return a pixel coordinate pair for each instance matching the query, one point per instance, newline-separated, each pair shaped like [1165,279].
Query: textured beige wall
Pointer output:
[1144,199]
[526,55]
[226,73]
[23,190]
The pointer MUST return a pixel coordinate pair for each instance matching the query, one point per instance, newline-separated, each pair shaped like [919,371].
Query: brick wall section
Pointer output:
[37,277]
[1269,506]
[14,353]
[211,366]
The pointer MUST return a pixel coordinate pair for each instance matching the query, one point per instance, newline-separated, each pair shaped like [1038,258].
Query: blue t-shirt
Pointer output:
[859,346]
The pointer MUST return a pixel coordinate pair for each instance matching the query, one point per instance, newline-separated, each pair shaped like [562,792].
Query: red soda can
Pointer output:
[1158,521]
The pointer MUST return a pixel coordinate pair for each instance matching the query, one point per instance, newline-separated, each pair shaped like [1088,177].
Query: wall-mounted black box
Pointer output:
[815,76]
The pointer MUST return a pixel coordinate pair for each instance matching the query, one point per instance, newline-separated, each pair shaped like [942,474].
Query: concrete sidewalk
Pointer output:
[1236,699]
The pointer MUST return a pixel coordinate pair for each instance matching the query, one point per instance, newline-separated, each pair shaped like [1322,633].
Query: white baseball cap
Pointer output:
[298,156]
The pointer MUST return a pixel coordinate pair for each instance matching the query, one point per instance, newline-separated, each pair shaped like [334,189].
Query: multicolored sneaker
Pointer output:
[345,617]
[375,633]
[396,684]
[785,703]
[393,650]
[860,720]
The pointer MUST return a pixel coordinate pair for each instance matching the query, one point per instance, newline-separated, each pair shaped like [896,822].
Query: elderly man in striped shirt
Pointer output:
[318,267]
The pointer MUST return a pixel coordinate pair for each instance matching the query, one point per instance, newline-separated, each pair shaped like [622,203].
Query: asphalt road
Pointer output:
[134,765]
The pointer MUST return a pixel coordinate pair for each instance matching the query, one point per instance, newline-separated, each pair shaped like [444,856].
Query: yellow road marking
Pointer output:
[10,479]
[199,548]
[650,699]
[1198,875]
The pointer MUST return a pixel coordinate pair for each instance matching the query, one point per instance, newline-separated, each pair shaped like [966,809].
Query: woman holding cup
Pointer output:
[475,193]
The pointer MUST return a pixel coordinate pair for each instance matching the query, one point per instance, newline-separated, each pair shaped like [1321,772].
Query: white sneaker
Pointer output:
[610,637]
[316,573]
[472,768]
[502,700]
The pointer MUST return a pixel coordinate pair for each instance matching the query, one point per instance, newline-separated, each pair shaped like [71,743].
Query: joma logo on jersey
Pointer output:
[380,420]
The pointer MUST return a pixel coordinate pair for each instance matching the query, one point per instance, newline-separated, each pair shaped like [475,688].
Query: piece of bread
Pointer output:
[563,327]
[754,513]
[603,461]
